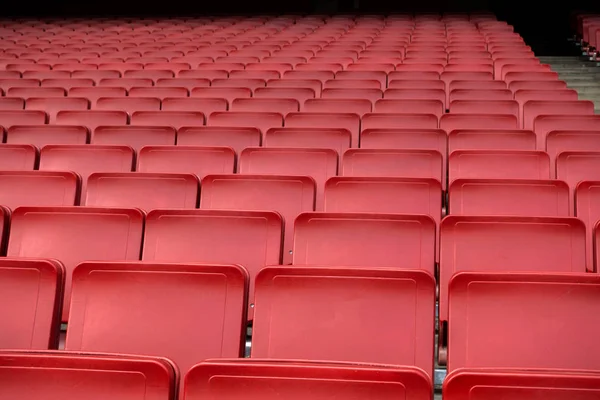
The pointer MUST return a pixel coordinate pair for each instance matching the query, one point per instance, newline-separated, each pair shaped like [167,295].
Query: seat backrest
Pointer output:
[52,105]
[491,139]
[94,93]
[587,208]
[86,159]
[399,121]
[417,83]
[17,157]
[280,91]
[354,106]
[392,163]
[534,108]
[530,76]
[31,293]
[251,239]
[321,239]
[337,93]
[160,92]
[135,137]
[64,375]
[518,197]
[569,297]
[319,164]
[551,385]
[128,104]
[416,94]
[217,292]
[41,135]
[413,106]
[450,122]
[498,164]
[347,121]
[482,106]
[281,106]
[175,119]
[319,380]
[75,234]
[9,118]
[287,195]
[196,160]
[227,93]
[384,195]
[390,300]
[143,190]
[514,86]
[541,244]
[38,188]
[246,119]
[338,139]
[91,119]
[574,167]
[238,138]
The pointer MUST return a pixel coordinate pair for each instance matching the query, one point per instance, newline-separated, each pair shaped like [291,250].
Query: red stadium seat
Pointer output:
[94,93]
[251,239]
[11,104]
[398,106]
[301,94]
[535,85]
[368,94]
[570,297]
[17,157]
[416,94]
[217,292]
[399,121]
[490,107]
[27,92]
[270,380]
[384,195]
[238,138]
[498,164]
[451,122]
[9,118]
[402,297]
[40,375]
[75,234]
[41,135]
[281,106]
[287,195]
[146,191]
[52,105]
[393,163]
[175,119]
[319,164]
[551,385]
[38,188]
[347,121]
[31,292]
[135,137]
[246,119]
[535,108]
[491,139]
[506,197]
[338,139]
[354,106]
[545,124]
[196,160]
[128,104]
[86,159]
[91,119]
[480,95]
[321,239]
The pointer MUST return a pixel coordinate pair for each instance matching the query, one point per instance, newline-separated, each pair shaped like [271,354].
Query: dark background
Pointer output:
[544,26]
